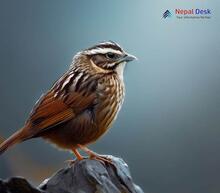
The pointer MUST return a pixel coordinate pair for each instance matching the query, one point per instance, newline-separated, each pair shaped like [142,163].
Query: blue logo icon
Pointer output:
[167,14]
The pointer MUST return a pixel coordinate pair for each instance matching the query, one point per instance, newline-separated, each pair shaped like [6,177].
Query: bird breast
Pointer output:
[111,94]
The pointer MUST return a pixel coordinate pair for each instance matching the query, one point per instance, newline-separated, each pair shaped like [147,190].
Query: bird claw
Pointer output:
[102,159]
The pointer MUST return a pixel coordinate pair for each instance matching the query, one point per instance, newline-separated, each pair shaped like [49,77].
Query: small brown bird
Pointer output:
[82,105]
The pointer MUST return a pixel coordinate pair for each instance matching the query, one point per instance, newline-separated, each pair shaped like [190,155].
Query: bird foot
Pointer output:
[94,155]
[101,158]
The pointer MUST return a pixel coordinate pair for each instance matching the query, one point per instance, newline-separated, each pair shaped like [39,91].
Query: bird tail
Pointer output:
[12,140]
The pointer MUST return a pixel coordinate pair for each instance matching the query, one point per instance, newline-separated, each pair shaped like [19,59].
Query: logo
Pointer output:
[189,13]
[193,11]
[167,14]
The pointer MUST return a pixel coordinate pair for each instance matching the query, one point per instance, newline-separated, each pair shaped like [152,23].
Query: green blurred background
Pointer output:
[168,129]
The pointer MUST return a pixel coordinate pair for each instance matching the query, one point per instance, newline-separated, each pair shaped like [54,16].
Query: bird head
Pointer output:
[105,57]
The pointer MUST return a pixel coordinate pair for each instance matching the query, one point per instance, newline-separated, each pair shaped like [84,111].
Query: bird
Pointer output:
[82,104]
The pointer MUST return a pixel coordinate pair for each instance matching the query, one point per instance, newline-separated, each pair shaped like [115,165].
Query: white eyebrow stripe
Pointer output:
[109,43]
[102,51]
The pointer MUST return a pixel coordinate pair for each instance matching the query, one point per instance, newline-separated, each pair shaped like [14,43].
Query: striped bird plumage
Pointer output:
[82,105]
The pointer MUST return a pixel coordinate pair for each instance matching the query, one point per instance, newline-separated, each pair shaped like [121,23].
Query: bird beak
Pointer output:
[129,58]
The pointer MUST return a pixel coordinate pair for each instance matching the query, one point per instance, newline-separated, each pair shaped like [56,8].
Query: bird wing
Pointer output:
[55,108]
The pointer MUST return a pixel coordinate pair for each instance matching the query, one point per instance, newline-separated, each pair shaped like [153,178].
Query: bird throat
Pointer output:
[120,70]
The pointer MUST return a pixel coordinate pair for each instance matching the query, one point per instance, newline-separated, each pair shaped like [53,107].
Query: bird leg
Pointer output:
[78,156]
[94,155]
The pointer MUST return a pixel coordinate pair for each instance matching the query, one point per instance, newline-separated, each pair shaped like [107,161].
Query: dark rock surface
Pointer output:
[85,176]
[17,185]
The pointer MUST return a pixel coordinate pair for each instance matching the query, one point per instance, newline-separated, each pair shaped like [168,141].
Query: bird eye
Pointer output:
[111,55]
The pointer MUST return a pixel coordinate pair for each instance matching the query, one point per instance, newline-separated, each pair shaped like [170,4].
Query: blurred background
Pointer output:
[168,129]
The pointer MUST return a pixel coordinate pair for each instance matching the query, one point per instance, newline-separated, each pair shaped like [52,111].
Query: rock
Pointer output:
[17,185]
[85,176]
